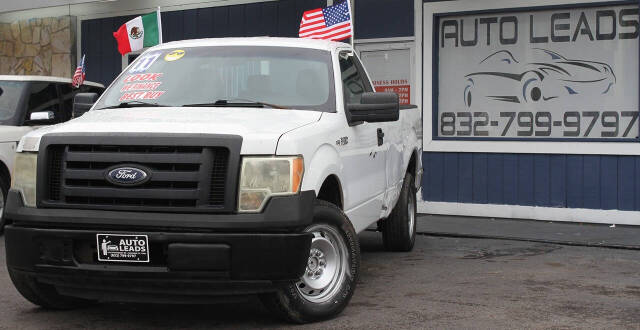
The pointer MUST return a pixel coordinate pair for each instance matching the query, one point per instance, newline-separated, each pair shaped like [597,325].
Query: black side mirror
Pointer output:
[375,107]
[82,102]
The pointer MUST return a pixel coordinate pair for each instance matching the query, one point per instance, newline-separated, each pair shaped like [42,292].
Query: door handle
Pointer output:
[380,137]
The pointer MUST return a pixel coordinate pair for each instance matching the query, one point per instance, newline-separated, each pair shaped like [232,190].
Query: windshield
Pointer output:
[10,95]
[275,77]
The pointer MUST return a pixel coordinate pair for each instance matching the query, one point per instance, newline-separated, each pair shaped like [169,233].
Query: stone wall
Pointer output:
[38,46]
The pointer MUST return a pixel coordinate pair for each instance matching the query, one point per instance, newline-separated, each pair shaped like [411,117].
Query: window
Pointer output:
[354,81]
[11,92]
[43,97]
[66,95]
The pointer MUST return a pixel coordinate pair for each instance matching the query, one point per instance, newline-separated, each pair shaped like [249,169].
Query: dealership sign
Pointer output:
[552,73]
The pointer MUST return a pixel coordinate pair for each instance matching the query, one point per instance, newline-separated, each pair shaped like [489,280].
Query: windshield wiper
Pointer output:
[236,103]
[135,103]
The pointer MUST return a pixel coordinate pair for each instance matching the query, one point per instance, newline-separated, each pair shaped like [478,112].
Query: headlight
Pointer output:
[263,177]
[24,176]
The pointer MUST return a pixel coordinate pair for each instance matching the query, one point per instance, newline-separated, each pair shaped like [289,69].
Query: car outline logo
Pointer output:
[553,76]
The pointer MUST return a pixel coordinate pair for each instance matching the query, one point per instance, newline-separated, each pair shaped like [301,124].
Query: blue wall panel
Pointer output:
[609,182]
[465,178]
[436,177]
[480,178]
[591,181]
[510,188]
[572,181]
[636,180]
[557,181]
[626,186]
[276,19]
[541,180]
[525,179]
[450,188]
[495,179]
[383,18]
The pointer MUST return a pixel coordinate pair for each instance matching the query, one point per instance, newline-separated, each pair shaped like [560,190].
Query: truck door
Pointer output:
[390,67]
[365,154]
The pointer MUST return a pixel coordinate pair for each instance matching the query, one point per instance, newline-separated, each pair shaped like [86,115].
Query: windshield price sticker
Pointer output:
[143,63]
[141,95]
[558,73]
[142,77]
[123,248]
[146,86]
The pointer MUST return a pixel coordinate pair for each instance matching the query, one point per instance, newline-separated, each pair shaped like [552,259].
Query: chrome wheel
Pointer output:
[411,208]
[326,267]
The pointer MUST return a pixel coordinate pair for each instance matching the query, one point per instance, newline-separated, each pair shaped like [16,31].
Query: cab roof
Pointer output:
[256,41]
[45,79]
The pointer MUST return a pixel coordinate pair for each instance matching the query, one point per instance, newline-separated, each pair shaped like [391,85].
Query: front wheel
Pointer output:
[329,279]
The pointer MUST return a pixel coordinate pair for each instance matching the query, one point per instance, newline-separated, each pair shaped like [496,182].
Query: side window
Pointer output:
[43,97]
[354,81]
[97,90]
[66,96]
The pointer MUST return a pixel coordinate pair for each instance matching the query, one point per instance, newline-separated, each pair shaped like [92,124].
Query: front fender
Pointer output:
[324,162]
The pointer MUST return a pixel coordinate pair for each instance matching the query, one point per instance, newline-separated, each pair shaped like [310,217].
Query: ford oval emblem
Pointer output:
[127,175]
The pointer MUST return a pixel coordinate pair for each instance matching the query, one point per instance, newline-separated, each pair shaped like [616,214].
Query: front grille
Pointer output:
[182,178]
[55,170]
[218,177]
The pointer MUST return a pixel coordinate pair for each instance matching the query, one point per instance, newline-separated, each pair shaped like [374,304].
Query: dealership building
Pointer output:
[530,108]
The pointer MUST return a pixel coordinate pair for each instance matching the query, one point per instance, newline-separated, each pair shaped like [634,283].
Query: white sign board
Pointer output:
[567,73]
[390,71]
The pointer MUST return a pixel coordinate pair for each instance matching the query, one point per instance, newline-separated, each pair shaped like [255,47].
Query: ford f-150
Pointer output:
[212,168]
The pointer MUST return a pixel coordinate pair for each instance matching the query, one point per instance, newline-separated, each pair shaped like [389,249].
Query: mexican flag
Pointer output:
[142,31]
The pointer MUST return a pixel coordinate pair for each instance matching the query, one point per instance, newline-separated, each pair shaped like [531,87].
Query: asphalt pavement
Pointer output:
[567,233]
[445,282]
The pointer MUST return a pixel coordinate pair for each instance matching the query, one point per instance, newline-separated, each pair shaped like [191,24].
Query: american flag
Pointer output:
[78,76]
[331,23]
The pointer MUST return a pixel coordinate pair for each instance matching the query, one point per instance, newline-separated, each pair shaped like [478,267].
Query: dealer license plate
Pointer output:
[123,248]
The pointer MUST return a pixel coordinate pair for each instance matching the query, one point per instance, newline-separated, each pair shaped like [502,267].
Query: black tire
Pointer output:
[4,190]
[44,295]
[289,303]
[399,230]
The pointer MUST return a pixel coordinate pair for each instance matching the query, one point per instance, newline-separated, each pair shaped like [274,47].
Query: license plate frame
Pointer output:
[128,248]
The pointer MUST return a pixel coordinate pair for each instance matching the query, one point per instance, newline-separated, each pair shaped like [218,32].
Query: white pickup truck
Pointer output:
[26,103]
[212,168]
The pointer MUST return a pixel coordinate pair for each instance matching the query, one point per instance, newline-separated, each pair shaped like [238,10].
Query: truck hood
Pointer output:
[13,133]
[260,128]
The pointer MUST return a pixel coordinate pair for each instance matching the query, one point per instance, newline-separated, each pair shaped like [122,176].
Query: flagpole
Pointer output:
[353,26]
[159,25]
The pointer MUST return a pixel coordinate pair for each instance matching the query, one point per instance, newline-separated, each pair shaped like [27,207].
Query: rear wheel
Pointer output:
[329,279]
[399,229]
[44,295]
[4,190]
